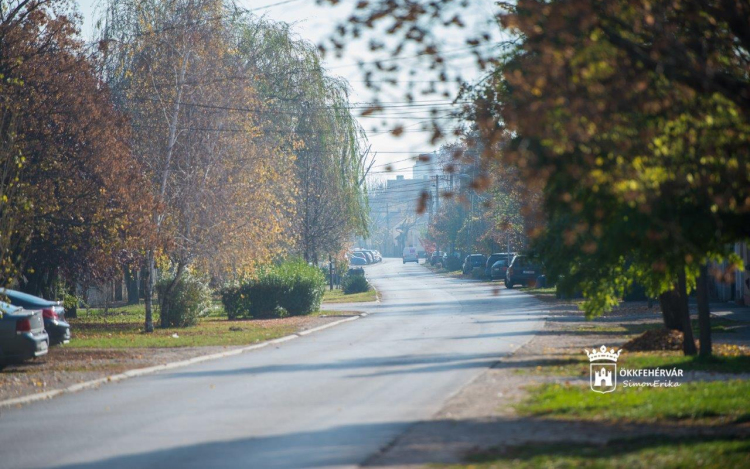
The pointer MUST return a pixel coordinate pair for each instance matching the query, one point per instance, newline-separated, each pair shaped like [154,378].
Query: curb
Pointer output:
[17,401]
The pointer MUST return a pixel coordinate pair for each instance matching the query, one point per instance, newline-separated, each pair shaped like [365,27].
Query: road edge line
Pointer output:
[166,366]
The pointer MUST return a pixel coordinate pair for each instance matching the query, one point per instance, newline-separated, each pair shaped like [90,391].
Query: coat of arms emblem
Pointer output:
[603,369]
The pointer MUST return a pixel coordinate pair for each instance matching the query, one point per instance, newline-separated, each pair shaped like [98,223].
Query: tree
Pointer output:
[221,184]
[248,146]
[332,154]
[73,206]
[633,115]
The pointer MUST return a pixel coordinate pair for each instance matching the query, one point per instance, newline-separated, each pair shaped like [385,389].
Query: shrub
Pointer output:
[292,288]
[306,285]
[354,284]
[453,263]
[189,299]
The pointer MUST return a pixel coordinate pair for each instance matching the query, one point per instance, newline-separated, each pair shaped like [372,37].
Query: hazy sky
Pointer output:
[315,23]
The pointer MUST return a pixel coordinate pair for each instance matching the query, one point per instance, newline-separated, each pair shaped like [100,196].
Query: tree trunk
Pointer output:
[670,309]
[688,342]
[133,285]
[704,312]
[148,292]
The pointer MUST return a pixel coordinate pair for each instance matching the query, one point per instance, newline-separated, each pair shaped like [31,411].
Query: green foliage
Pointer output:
[640,453]
[306,286]
[354,284]
[452,264]
[188,299]
[644,173]
[292,288]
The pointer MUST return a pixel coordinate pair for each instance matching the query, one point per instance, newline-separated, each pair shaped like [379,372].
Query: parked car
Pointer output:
[375,255]
[522,272]
[53,314]
[410,255]
[356,260]
[368,256]
[494,258]
[361,255]
[436,257]
[472,261]
[22,334]
[499,269]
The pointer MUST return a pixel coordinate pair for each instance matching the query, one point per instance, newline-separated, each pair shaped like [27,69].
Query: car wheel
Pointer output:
[509,285]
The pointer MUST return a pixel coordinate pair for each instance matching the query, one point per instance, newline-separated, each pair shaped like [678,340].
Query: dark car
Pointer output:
[356,260]
[498,269]
[53,313]
[436,257]
[494,258]
[522,272]
[473,261]
[22,334]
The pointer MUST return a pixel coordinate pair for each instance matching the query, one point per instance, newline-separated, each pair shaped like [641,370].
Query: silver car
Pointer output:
[22,334]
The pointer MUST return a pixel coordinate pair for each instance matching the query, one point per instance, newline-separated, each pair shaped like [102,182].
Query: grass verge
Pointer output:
[728,359]
[123,328]
[641,453]
[338,296]
[717,401]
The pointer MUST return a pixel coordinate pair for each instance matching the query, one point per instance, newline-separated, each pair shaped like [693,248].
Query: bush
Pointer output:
[189,299]
[292,288]
[306,285]
[354,284]
[453,263]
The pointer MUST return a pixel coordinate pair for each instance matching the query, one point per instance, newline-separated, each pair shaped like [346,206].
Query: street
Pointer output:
[330,399]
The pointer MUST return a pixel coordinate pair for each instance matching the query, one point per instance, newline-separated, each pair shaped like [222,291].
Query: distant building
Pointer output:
[426,166]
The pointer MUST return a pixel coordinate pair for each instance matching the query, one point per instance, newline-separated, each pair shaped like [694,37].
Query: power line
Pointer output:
[273,5]
[415,56]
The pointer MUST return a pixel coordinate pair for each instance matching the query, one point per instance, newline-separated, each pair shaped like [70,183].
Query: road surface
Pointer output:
[329,399]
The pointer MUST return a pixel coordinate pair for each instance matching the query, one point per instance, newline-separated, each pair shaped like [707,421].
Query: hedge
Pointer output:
[292,288]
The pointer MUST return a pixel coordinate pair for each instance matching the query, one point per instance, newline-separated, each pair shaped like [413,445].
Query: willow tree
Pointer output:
[330,147]
[198,129]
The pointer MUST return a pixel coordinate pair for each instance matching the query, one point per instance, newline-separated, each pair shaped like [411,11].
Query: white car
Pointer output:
[410,255]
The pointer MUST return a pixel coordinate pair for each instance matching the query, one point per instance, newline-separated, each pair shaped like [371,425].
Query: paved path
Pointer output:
[330,399]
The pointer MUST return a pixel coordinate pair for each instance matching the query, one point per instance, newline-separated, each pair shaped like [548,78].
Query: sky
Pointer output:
[317,22]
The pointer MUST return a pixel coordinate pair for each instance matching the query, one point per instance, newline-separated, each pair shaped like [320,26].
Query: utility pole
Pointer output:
[389,240]
[330,271]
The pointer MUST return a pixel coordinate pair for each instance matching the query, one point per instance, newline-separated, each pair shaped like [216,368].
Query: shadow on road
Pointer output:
[439,441]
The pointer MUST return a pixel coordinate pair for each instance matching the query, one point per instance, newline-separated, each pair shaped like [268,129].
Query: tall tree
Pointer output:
[74,198]
[332,154]
[634,117]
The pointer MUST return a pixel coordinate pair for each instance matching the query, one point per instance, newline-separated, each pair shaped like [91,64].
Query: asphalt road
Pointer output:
[329,399]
